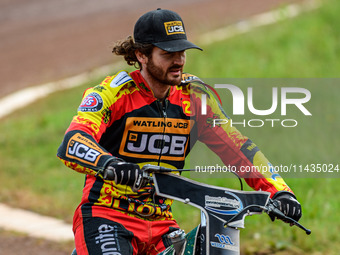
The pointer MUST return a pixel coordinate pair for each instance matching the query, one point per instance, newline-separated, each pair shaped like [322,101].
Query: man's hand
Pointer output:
[124,173]
[288,205]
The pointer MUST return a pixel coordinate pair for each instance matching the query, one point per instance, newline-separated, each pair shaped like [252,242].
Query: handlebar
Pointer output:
[271,208]
[148,169]
[160,169]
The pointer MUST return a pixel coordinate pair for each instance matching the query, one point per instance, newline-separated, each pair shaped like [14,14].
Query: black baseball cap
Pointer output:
[164,29]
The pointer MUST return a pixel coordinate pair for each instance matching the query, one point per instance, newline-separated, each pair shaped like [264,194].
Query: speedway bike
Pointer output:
[223,212]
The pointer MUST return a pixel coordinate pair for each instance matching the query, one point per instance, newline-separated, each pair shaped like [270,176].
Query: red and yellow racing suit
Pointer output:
[122,118]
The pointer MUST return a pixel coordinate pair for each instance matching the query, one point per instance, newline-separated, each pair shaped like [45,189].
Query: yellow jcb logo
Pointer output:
[174,27]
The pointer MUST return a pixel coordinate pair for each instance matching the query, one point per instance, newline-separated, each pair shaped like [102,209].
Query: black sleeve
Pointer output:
[81,152]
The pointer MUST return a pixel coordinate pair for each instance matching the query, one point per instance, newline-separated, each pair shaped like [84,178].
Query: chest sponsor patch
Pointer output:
[153,138]
[91,103]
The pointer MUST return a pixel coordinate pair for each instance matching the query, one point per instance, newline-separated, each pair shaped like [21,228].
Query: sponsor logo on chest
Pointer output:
[153,137]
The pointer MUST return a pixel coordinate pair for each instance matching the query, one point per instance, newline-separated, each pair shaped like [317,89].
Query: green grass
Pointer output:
[305,47]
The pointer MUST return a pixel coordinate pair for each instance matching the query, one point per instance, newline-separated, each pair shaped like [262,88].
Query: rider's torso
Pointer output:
[136,127]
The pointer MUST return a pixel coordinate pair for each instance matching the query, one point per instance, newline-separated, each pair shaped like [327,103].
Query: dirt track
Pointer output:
[42,41]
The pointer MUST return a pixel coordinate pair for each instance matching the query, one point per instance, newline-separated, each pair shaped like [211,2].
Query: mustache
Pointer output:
[175,67]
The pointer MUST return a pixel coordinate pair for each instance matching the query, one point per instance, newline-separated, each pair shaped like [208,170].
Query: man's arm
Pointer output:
[234,148]
[82,153]
[238,151]
[80,149]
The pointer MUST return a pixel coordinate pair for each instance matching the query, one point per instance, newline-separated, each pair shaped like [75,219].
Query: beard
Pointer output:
[163,76]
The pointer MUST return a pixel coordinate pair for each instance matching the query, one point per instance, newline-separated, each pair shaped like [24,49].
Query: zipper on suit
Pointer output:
[162,108]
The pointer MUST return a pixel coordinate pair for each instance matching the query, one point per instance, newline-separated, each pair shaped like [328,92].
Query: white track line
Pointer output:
[56,230]
[35,225]
[29,95]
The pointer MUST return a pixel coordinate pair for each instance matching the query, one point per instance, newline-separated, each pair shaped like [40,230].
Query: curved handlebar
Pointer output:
[271,208]
[148,169]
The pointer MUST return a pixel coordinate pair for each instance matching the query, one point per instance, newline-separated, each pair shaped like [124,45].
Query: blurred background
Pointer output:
[43,41]
[47,41]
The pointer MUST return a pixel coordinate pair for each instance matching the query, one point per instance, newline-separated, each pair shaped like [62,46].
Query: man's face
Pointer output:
[166,67]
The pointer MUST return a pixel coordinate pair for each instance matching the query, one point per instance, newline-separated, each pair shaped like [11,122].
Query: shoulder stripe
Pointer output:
[120,79]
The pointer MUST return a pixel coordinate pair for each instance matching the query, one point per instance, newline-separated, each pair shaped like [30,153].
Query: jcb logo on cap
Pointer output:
[174,27]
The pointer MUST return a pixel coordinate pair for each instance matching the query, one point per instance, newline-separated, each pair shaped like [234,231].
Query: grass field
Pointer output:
[305,47]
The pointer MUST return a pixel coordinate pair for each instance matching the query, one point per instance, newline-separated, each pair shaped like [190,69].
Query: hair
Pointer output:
[127,49]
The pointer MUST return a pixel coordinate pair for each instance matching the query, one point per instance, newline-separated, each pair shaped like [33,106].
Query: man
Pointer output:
[149,116]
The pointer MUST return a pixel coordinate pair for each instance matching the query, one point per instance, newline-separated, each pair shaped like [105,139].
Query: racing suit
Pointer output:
[122,118]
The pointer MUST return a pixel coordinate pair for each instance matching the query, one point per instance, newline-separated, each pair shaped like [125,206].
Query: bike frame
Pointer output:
[219,206]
